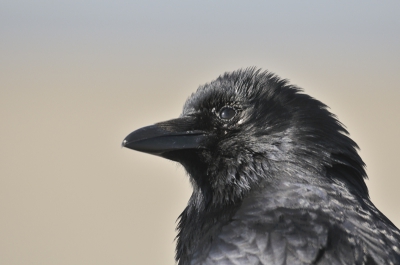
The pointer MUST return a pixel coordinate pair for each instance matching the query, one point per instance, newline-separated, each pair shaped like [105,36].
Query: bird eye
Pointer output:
[227,113]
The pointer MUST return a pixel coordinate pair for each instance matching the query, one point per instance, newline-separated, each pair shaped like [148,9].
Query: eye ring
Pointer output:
[227,113]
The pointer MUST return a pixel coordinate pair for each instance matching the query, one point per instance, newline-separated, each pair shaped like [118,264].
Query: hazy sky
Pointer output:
[77,76]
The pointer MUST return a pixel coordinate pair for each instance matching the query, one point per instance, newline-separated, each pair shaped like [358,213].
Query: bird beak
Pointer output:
[166,137]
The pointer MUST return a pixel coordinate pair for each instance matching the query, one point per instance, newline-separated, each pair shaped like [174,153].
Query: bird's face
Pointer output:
[239,128]
[230,132]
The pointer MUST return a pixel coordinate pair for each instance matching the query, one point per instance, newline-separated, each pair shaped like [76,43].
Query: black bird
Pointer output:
[276,178]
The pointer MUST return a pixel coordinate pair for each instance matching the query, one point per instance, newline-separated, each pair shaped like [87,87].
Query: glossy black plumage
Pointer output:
[276,179]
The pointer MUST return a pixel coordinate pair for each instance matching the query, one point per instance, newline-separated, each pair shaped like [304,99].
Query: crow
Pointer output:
[276,178]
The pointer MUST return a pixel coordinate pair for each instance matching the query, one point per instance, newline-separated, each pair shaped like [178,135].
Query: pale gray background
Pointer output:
[77,76]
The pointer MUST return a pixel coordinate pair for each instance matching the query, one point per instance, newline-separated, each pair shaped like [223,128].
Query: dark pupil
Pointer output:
[227,113]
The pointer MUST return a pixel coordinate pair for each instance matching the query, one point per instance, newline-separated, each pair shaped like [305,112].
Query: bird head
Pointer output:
[249,128]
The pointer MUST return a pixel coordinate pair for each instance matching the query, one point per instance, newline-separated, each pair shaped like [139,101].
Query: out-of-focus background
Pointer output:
[77,76]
